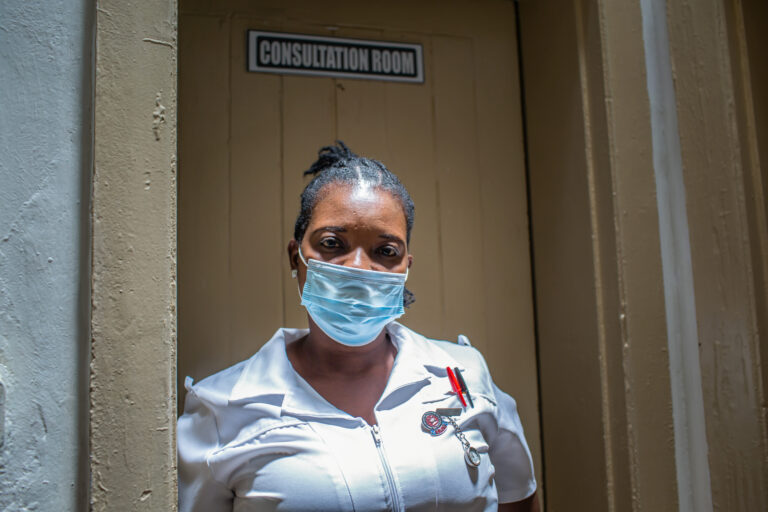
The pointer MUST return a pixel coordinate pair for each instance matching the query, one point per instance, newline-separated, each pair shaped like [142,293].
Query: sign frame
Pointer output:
[373,47]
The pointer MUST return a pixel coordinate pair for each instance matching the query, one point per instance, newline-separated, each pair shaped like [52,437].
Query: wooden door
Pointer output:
[455,141]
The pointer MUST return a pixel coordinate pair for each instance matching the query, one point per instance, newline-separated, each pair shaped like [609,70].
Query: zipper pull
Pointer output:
[376,436]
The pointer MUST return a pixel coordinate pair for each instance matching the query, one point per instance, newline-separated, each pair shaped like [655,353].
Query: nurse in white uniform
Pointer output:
[358,412]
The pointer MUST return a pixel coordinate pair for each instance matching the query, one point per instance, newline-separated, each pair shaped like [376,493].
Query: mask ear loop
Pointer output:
[294,272]
[301,256]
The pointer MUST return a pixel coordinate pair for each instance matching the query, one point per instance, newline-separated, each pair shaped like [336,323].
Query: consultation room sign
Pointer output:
[278,52]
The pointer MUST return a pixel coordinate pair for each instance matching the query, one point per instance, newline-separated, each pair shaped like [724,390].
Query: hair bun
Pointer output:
[330,156]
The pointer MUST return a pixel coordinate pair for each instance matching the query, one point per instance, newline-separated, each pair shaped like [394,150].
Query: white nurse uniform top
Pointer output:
[257,437]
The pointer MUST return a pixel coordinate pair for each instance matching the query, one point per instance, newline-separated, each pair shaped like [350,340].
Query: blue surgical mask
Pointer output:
[351,305]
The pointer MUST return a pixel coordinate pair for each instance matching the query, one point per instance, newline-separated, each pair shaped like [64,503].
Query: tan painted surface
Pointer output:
[456,141]
[133,400]
[607,305]
[570,385]
[727,229]
[606,404]
[748,39]
[641,297]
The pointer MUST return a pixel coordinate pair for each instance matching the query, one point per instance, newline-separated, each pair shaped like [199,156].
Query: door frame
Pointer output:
[133,273]
[133,314]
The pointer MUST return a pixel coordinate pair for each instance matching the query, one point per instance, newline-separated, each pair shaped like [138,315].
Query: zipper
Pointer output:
[387,469]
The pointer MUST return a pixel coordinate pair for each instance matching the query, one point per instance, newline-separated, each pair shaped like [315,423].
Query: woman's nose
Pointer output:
[359,259]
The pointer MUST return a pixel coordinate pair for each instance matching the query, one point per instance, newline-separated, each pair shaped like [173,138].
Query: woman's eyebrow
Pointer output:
[334,229]
[389,236]
[341,229]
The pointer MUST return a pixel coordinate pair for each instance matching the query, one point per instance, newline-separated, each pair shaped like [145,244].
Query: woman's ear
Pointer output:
[293,255]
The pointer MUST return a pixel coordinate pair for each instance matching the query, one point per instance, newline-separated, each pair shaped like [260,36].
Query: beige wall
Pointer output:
[747,40]
[606,419]
[609,438]
[726,208]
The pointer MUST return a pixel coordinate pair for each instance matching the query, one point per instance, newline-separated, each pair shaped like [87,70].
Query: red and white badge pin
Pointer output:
[433,423]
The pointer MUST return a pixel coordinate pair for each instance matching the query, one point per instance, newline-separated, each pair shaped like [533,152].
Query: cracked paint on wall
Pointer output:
[133,323]
[45,97]
[158,116]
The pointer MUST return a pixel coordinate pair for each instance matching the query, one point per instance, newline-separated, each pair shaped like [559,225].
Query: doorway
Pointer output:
[456,142]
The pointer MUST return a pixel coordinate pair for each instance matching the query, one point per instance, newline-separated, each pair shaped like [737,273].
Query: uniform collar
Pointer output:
[269,375]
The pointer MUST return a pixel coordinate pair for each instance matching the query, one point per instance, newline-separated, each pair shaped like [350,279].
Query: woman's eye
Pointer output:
[330,243]
[389,251]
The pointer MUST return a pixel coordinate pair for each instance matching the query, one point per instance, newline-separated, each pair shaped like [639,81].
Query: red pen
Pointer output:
[455,385]
[463,385]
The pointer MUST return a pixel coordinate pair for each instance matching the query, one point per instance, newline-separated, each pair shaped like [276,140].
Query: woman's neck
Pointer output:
[317,354]
[351,378]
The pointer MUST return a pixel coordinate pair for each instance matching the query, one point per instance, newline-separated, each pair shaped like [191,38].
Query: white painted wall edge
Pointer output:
[691,449]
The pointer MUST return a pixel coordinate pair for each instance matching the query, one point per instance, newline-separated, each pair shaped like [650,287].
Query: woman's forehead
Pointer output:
[361,205]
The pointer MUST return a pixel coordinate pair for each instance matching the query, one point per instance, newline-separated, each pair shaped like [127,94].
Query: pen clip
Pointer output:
[463,386]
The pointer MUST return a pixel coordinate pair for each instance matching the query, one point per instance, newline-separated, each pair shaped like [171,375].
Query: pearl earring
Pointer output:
[294,273]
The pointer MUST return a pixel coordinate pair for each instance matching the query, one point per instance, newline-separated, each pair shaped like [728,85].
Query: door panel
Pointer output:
[203,216]
[308,106]
[455,141]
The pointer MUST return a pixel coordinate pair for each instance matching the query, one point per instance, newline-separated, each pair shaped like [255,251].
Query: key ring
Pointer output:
[471,455]
[434,423]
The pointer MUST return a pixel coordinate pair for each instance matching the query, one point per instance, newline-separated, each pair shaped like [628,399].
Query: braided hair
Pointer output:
[339,165]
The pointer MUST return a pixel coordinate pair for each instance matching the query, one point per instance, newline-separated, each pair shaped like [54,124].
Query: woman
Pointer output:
[357,412]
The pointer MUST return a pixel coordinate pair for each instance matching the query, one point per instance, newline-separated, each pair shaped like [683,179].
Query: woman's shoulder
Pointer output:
[240,399]
[436,355]
[264,373]
[216,388]
[461,350]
